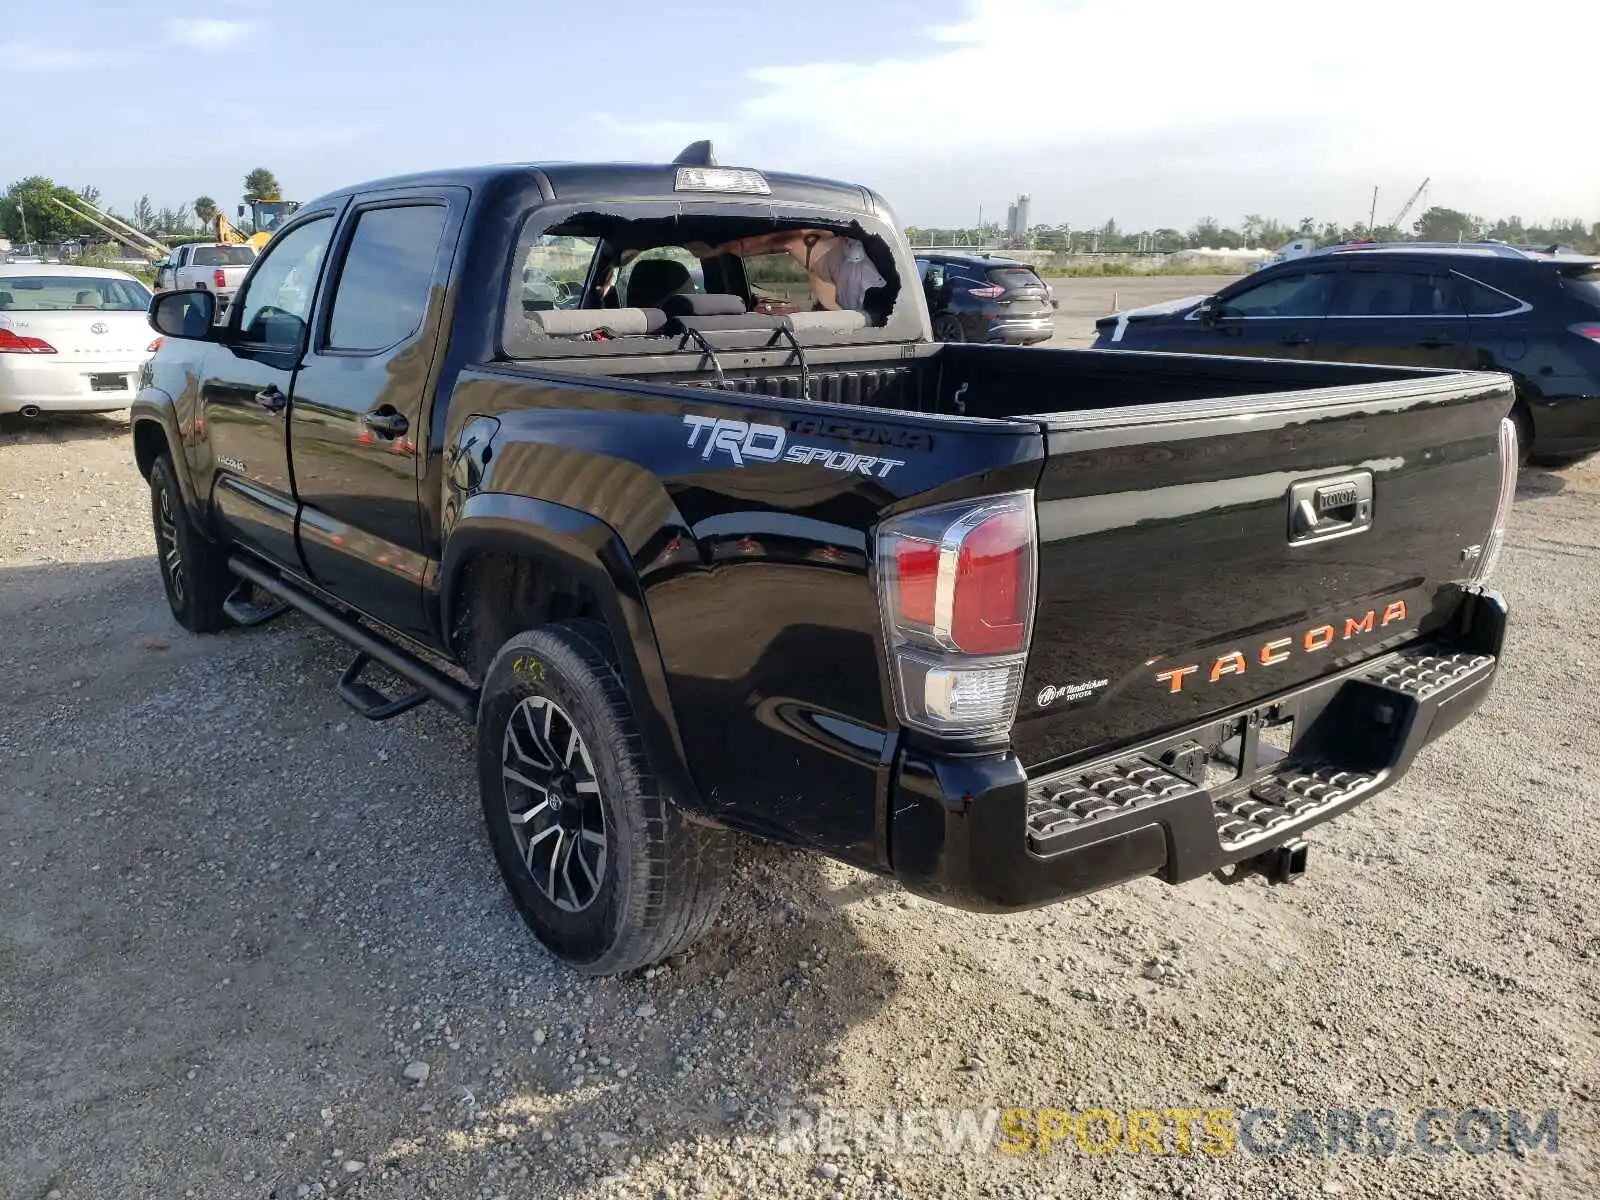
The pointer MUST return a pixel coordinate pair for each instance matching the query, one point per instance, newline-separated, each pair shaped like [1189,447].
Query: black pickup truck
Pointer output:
[656,475]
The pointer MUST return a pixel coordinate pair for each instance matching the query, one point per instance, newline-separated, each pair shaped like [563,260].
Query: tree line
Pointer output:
[30,210]
[1437,224]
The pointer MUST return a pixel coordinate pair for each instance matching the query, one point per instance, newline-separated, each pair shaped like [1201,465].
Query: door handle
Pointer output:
[386,422]
[271,399]
[1294,339]
[1436,342]
[1328,508]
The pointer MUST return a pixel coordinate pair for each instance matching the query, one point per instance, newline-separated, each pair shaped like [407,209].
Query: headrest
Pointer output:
[654,279]
[88,299]
[693,304]
[565,322]
[7,298]
[730,321]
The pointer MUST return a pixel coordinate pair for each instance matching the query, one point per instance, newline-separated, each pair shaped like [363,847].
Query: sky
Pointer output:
[1154,112]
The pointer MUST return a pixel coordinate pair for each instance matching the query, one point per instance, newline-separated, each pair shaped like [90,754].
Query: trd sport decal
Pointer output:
[743,440]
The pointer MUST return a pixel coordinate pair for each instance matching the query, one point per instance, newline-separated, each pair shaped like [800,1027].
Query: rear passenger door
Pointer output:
[361,402]
[1399,315]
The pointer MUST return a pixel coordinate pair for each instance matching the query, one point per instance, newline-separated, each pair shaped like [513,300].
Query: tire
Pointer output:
[194,572]
[647,883]
[947,328]
[1524,424]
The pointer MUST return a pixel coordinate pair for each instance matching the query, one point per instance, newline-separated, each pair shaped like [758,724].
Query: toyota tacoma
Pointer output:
[724,542]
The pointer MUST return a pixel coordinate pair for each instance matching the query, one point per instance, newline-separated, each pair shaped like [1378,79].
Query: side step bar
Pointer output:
[246,612]
[454,695]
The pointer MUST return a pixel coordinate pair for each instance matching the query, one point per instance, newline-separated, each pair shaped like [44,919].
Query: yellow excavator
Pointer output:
[265,217]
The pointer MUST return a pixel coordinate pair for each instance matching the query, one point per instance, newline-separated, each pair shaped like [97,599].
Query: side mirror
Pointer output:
[183,314]
[1209,313]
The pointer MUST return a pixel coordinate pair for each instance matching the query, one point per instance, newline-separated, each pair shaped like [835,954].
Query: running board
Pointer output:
[368,700]
[458,697]
[244,610]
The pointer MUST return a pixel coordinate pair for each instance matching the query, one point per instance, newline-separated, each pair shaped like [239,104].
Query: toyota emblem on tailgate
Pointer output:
[99,327]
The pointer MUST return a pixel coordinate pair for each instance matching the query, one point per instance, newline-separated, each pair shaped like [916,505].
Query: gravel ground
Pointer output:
[237,924]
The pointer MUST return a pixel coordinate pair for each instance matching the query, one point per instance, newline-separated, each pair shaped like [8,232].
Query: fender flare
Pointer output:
[590,550]
[154,407]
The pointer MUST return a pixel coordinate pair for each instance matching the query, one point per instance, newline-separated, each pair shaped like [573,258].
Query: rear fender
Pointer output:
[590,551]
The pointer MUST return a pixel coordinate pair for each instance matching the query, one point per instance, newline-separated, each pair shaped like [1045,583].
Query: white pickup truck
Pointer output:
[206,267]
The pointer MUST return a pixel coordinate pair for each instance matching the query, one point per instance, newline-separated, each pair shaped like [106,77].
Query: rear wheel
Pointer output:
[947,328]
[194,572]
[601,863]
[1524,424]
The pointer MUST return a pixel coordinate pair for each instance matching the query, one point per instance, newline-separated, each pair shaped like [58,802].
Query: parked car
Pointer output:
[976,298]
[217,267]
[72,339]
[1488,306]
[1007,624]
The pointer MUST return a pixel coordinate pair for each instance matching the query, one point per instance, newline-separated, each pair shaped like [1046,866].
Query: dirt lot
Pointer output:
[232,914]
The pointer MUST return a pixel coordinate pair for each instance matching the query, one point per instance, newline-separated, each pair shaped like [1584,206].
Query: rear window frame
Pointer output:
[514,343]
[1016,269]
[77,283]
[247,251]
[1584,285]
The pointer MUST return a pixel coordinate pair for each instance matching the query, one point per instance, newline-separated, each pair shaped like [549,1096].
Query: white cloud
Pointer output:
[34,57]
[210,33]
[1239,98]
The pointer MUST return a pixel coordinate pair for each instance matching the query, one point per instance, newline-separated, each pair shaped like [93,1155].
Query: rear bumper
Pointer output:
[46,382]
[977,833]
[1023,330]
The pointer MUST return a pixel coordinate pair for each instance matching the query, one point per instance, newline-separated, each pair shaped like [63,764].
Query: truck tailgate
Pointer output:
[1199,557]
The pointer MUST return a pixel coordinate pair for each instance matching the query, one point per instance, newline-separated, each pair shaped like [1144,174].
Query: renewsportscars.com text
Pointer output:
[1377,1132]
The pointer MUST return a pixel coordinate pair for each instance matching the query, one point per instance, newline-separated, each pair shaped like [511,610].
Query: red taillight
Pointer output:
[986,611]
[153,346]
[1587,330]
[956,584]
[993,292]
[14,343]
[916,567]
[220,279]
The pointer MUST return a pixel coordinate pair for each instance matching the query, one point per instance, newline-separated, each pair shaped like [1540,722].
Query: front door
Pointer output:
[1400,315]
[360,400]
[249,377]
[1274,318]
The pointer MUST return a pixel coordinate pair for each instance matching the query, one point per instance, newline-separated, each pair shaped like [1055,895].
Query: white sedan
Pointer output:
[72,339]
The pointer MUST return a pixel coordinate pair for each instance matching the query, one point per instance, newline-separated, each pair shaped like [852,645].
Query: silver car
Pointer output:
[72,339]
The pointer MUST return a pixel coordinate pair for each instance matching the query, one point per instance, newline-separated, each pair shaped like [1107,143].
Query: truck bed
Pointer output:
[1163,494]
[988,382]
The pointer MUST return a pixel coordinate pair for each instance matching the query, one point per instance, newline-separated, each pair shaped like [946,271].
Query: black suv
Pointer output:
[975,298]
[1532,314]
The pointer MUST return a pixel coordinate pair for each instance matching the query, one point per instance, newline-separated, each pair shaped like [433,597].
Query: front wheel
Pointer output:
[601,863]
[194,572]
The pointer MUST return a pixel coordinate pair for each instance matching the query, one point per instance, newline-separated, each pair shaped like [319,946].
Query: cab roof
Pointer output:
[568,183]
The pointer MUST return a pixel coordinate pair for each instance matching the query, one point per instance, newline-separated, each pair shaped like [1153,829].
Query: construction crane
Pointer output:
[224,232]
[1406,208]
[116,228]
